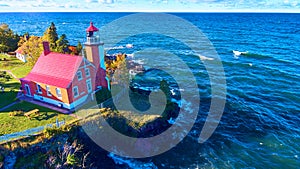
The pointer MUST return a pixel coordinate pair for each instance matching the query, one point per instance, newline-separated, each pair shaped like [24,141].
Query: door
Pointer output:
[27,89]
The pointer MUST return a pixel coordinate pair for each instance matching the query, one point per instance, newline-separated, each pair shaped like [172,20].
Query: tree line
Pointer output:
[31,45]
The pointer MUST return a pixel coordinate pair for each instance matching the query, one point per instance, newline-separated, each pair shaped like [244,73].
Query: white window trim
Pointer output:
[75,87]
[26,85]
[57,93]
[38,86]
[80,75]
[87,69]
[89,80]
[48,90]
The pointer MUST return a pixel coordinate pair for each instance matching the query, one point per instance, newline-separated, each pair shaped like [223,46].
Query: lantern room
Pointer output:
[92,34]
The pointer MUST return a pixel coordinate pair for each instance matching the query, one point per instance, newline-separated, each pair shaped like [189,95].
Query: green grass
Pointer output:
[11,124]
[17,67]
[11,88]
[21,71]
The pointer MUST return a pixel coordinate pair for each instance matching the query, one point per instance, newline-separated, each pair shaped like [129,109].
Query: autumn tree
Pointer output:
[8,40]
[120,71]
[33,49]
[23,39]
[51,36]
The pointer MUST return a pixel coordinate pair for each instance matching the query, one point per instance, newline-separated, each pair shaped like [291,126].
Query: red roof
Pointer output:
[19,50]
[92,28]
[55,69]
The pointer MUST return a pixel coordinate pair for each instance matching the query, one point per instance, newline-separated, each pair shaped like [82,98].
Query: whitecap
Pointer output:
[205,58]
[130,55]
[131,162]
[129,46]
[238,53]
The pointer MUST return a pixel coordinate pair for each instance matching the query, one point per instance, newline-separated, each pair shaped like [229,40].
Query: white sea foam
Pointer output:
[131,163]
[129,46]
[140,61]
[205,58]
[238,53]
[130,55]
[115,47]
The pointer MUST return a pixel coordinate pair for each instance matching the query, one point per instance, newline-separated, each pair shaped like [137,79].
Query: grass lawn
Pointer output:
[17,67]
[11,124]
[11,89]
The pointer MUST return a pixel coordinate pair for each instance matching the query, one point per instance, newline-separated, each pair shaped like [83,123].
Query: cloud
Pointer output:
[150,5]
[4,5]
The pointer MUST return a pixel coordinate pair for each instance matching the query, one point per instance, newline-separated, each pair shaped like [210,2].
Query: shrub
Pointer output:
[16,113]
[7,77]
[72,160]
[49,132]
[103,95]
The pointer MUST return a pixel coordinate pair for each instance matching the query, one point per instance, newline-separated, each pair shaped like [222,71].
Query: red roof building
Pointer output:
[20,54]
[67,80]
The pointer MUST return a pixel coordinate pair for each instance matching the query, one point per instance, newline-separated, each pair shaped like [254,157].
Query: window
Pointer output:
[39,89]
[79,75]
[75,92]
[48,91]
[87,72]
[89,85]
[58,92]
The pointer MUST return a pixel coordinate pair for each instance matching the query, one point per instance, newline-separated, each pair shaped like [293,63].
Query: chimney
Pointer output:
[46,48]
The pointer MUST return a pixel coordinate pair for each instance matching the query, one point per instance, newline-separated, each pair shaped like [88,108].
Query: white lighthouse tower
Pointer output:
[95,54]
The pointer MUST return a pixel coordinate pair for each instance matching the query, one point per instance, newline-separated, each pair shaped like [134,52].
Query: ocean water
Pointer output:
[260,126]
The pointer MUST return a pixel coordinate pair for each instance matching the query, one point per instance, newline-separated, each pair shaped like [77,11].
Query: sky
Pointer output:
[150,6]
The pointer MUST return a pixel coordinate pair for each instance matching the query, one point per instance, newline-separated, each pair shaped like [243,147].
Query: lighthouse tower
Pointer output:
[95,54]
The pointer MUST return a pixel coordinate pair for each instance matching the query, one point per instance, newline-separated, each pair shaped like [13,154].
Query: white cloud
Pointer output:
[150,5]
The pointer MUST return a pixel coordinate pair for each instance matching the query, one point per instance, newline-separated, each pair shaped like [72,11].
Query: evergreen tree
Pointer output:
[79,48]
[62,44]
[51,36]
[8,40]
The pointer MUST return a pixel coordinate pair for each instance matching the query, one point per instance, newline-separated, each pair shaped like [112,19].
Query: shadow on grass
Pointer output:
[12,86]
[44,116]
[7,98]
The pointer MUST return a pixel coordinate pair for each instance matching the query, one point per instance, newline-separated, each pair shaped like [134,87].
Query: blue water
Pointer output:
[260,126]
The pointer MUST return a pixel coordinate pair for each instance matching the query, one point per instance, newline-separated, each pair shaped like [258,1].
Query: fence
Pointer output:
[29,132]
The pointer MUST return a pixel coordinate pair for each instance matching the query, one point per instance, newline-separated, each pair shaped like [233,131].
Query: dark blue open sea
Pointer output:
[260,126]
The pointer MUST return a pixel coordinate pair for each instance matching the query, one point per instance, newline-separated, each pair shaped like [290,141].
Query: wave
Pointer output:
[131,163]
[115,47]
[205,58]
[238,53]
[128,46]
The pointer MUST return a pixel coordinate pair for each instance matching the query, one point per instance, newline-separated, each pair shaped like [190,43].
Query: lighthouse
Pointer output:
[95,54]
